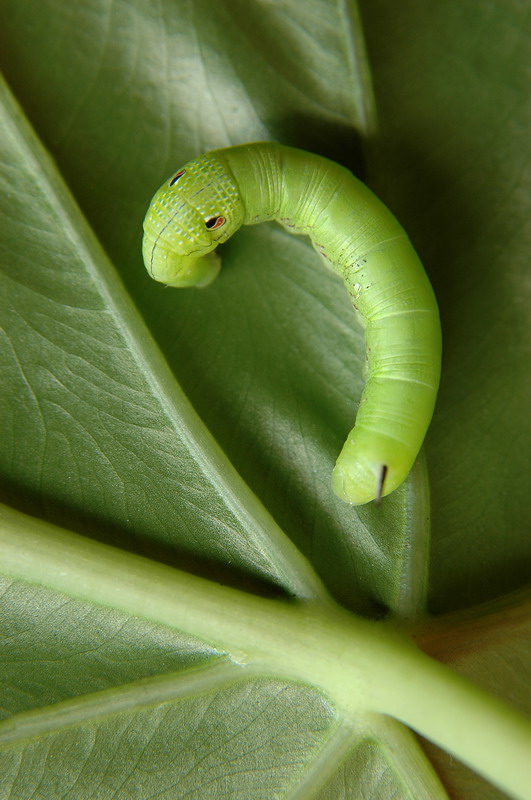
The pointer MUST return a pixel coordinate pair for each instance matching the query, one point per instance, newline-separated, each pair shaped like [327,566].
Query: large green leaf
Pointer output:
[228,476]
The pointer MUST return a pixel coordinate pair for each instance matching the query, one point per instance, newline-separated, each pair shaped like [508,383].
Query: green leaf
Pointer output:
[228,476]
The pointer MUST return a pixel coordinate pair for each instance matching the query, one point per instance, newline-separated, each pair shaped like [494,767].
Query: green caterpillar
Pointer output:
[207,200]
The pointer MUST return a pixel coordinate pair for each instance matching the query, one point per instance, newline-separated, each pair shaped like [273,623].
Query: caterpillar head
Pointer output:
[192,212]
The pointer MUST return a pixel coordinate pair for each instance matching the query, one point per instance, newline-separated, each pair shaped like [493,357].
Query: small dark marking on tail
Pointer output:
[379,488]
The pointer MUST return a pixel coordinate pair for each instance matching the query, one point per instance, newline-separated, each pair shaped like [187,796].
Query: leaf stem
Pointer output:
[361,665]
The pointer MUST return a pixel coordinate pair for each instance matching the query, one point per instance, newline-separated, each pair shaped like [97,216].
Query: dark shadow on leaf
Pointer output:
[102,530]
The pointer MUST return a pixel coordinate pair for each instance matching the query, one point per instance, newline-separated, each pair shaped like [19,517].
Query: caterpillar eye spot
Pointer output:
[214,222]
[176,177]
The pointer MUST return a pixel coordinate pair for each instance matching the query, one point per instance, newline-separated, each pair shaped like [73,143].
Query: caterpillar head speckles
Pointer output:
[195,210]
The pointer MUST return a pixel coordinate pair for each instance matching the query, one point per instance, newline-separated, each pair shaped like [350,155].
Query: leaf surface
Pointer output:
[199,428]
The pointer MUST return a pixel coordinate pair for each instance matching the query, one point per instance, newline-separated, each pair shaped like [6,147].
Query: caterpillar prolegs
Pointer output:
[209,198]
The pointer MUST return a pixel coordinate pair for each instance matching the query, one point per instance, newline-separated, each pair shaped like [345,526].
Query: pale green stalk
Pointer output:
[360,665]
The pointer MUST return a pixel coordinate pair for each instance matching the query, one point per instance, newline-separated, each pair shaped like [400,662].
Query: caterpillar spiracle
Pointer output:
[209,198]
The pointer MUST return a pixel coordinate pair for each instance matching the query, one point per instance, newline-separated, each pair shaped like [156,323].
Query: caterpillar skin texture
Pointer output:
[205,202]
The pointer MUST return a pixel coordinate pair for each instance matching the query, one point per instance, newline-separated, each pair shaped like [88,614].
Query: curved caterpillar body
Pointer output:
[207,200]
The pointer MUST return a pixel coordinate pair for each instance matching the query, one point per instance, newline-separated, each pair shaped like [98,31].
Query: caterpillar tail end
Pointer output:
[359,484]
[366,471]
[172,269]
